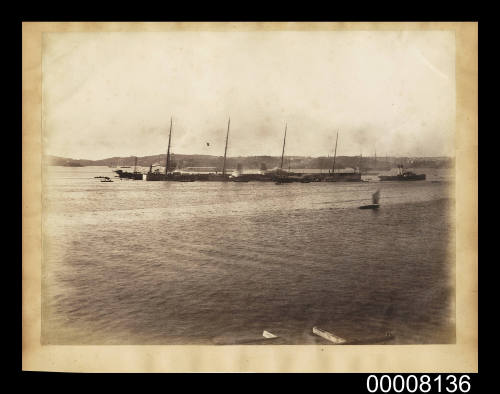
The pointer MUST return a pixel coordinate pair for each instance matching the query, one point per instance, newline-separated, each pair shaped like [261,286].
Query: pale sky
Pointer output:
[112,94]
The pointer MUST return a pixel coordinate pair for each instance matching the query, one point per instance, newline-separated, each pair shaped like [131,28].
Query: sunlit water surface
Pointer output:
[136,262]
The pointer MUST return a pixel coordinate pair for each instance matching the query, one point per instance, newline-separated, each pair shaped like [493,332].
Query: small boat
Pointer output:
[328,336]
[375,199]
[389,336]
[335,339]
[268,335]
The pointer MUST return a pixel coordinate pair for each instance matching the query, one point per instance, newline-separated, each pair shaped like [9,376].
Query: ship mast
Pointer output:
[225,149]
[167,165]
[283,152]
[335,154]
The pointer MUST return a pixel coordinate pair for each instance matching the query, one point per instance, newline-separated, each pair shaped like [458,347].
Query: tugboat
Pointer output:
[403,176]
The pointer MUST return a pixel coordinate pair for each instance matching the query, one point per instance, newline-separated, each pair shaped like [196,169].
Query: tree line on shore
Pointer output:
[262,162]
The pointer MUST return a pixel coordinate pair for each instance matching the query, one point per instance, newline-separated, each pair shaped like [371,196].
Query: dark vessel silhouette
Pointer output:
[341,176]
[403,176]
[282,176]
[375,199]
[130,175]
[169,166]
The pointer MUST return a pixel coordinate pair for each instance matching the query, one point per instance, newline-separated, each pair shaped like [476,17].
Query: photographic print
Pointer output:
[250,186]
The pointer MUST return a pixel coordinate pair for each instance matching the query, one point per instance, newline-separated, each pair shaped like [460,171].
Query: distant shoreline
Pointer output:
[365,163]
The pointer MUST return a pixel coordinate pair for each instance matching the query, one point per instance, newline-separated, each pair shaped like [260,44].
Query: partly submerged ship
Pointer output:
[403,175]
[129,175]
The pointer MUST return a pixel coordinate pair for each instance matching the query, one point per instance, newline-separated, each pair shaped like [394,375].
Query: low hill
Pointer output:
[262,162]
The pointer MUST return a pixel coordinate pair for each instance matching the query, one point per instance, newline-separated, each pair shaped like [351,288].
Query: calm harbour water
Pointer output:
[136,262]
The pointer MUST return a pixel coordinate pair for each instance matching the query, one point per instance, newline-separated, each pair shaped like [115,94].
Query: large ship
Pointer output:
[177,176]
[224,176]
[282,176]
[403,175]
[157,175]
[341,176]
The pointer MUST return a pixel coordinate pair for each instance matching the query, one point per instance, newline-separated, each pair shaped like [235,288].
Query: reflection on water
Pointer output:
[135,262]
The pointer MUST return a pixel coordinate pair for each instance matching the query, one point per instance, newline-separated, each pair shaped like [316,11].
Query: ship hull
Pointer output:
[252,177]
[419,177]
[371,206]
[152,176]
[137,176]
[290,178]
[342,177]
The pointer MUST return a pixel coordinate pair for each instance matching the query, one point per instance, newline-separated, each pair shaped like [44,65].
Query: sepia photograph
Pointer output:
[219,185]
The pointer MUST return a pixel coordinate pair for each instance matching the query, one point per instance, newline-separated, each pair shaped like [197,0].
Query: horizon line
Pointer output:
[381,157]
